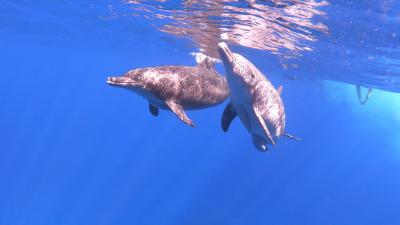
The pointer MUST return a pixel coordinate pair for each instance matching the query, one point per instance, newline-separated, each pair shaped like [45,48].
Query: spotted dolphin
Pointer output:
[177,88]
[253,98]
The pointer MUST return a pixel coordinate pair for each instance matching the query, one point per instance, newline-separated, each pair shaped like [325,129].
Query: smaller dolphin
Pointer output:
[254,99]
[177,88]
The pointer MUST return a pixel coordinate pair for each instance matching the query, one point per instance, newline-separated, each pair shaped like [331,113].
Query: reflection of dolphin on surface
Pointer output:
[253,99]
[369,93]
[177,88]
[276,26]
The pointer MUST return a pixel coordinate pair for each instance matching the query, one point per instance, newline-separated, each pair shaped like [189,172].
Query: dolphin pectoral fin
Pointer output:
[264,126]
[153,110]
[259,143]
[178,110]
[228,116]
[291,136]
[279,90]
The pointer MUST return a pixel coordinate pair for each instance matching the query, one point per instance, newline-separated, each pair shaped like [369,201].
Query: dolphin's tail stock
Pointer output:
[291,136]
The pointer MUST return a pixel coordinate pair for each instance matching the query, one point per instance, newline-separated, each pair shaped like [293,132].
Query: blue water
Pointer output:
[76,151]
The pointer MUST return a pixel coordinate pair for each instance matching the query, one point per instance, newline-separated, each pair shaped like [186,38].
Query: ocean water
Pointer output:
[76,151]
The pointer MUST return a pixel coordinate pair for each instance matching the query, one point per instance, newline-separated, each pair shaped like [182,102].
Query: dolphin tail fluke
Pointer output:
[291,136]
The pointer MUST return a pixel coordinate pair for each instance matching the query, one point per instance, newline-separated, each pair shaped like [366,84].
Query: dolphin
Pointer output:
[177,88]
[254,99]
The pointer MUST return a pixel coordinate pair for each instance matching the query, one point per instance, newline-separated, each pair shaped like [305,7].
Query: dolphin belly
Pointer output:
[254,127]
[242,100]
[249,119]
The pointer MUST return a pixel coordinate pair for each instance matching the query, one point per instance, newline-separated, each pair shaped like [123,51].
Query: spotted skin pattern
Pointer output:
[176,88]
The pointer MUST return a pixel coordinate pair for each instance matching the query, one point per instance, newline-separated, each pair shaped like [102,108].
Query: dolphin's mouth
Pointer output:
[121,81]
[224,49]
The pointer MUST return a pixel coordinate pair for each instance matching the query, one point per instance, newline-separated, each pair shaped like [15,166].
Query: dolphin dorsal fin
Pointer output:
[205,61]
[279,90]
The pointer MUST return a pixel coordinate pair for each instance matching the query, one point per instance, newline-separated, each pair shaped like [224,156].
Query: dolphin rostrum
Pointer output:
[177,88]
[253,99]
